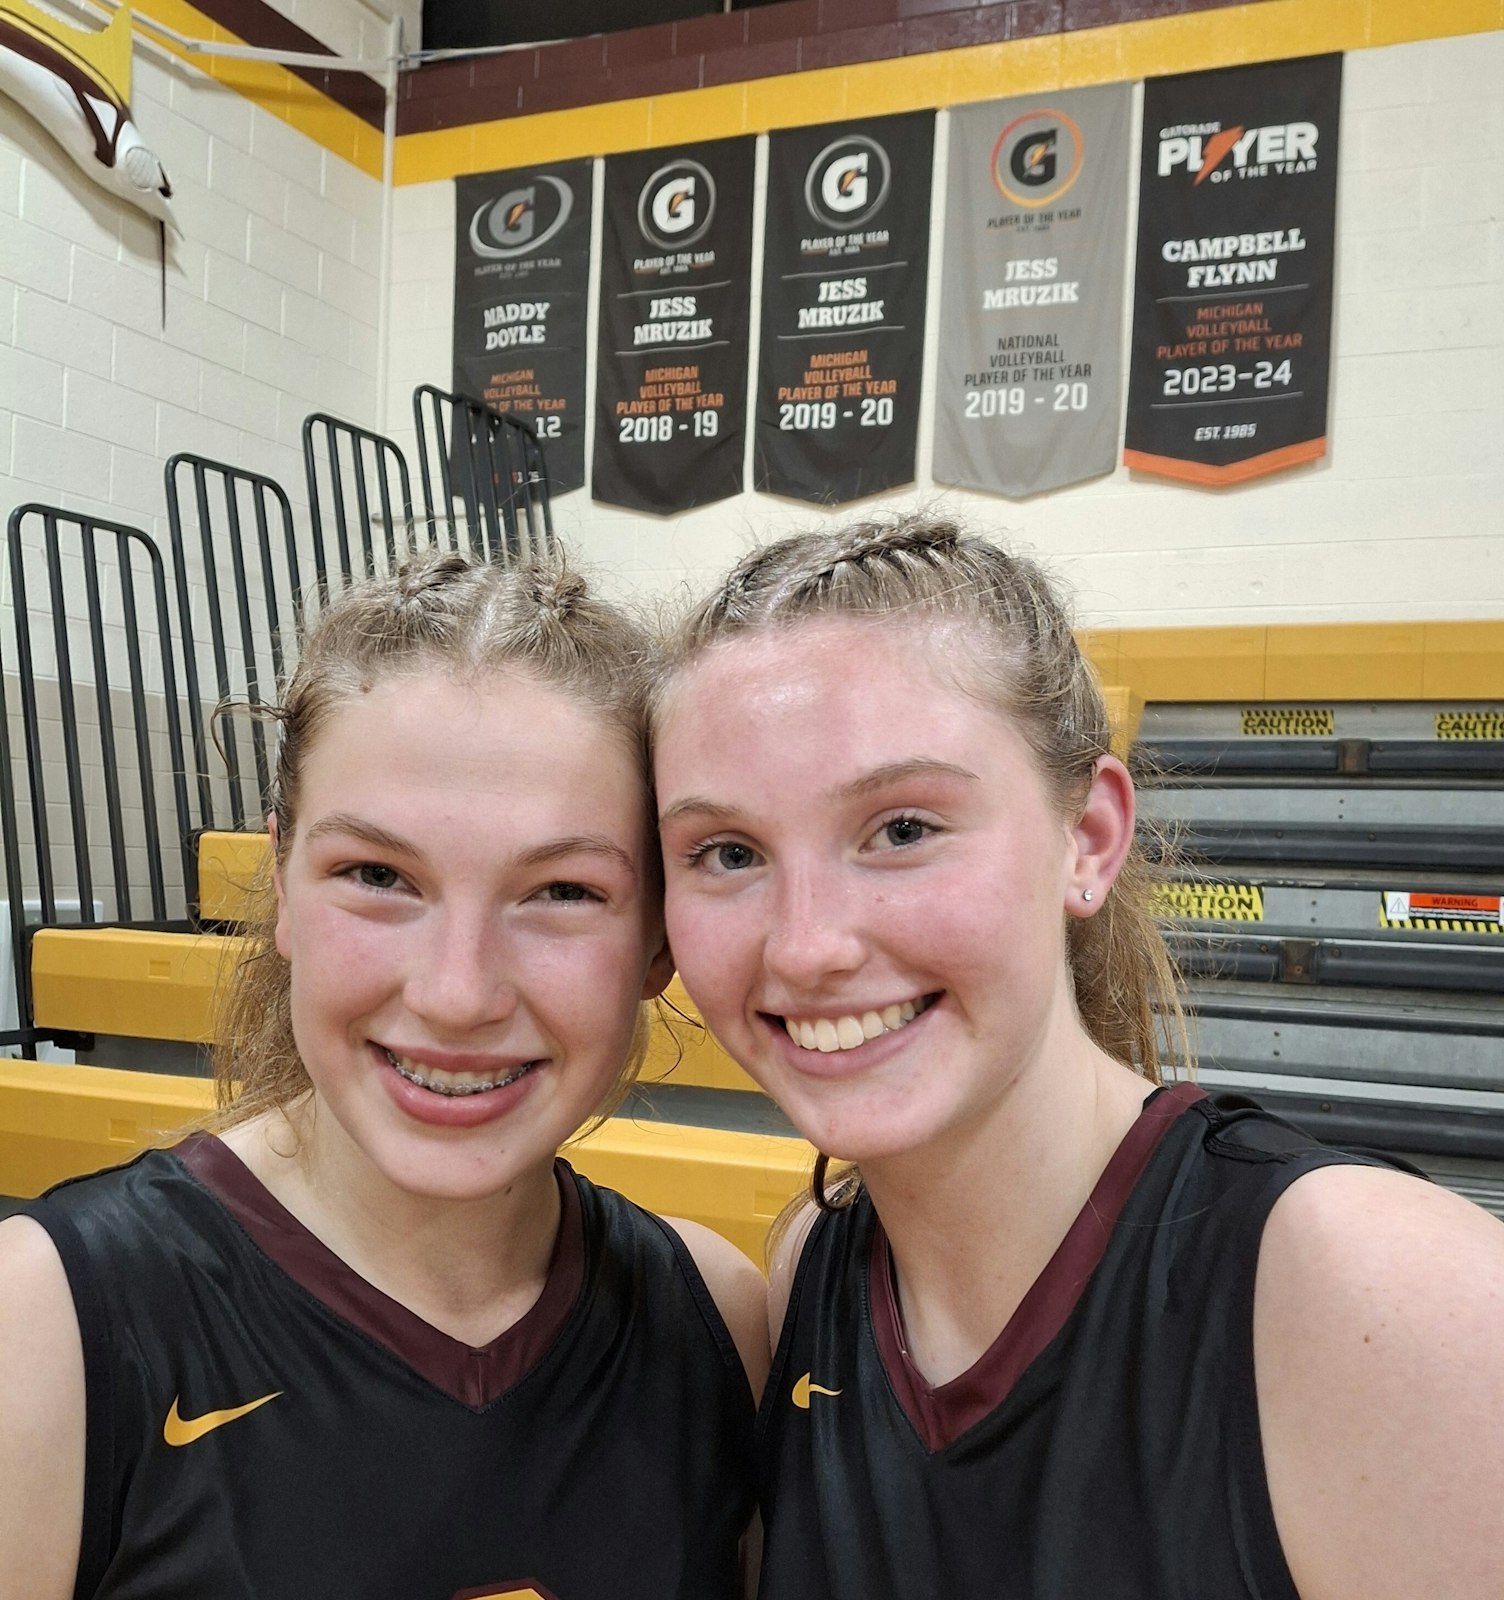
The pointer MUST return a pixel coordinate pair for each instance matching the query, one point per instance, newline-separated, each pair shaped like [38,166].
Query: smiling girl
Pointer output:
[1062,1333]
[374,1337]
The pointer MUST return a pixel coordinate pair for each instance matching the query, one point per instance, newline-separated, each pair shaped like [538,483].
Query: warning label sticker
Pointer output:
[1484,724]
[1210,902]
[1286,722]
[1440,913]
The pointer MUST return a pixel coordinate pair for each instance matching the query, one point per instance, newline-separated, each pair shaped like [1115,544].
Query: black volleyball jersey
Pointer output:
[1106,1448]
[264,1423]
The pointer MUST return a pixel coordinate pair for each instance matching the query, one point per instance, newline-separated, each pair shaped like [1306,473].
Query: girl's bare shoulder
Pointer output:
[738,1289]
[1381,1386]
[41,1418]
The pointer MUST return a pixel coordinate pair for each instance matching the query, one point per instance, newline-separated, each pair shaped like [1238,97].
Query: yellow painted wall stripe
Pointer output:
[1125,712]
[1269,30]
[271,87]
[1304,661]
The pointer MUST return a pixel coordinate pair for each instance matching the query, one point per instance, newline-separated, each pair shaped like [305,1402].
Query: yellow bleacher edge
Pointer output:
[132,982]
[58,1122]
[231,871]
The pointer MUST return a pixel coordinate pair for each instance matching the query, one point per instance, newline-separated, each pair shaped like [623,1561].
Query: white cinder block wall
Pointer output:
[1403,520]
[272,291]
[272,312]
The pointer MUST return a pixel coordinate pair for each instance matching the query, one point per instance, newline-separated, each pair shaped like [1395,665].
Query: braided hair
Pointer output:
[1021,657]
[441,611]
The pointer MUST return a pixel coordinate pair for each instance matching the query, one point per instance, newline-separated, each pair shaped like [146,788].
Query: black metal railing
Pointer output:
[117,835]
[247,554]
[360,502]
[485,481]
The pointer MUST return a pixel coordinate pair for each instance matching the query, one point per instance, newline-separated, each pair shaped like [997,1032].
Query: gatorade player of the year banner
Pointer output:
[1030,373]
[1232,303]
[843,289]
[671,374]
[521,272]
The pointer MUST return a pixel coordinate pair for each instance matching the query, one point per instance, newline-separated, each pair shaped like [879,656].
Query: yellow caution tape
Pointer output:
[1300,722]
[1470,724]
[1210,902]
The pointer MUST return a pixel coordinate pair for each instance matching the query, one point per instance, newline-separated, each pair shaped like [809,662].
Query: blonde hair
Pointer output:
[441,611]
[1022,658]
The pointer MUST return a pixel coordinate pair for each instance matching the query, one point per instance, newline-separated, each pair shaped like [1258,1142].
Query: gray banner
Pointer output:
[1030,373]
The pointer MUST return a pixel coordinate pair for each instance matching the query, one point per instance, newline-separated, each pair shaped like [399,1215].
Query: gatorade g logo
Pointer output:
[848,182]
[522,220]
[676,205]
[1033,159]
[1037,158]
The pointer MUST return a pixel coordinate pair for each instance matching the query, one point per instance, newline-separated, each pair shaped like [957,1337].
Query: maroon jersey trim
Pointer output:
[940,1415]
[474,1377]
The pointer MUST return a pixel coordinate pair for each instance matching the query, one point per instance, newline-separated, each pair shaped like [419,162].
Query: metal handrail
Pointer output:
[341,460]
[492,463]
[62,539]
[220,500]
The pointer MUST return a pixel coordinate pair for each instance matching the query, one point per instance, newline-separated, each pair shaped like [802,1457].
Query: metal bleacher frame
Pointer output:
[219,500]
[167,910]
[492,464]
[344,463]
[1309,776]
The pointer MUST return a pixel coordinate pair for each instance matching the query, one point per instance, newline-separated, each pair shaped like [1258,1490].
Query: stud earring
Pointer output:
[1088,895]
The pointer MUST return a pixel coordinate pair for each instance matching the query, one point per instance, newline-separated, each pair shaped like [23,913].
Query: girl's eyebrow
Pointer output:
[344,822]
[697,806]
[882,777]
[897,772]
[595,844]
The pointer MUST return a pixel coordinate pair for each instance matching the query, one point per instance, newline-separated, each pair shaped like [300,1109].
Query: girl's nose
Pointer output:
[815,934]
[459,979]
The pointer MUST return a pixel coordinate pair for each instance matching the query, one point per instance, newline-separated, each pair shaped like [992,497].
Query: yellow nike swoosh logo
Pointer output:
[803,1389]
[180,1430]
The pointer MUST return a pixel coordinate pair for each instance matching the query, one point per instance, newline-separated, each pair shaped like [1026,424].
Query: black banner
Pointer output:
[843,287]
[521,271]
[671,372]
[1232,303]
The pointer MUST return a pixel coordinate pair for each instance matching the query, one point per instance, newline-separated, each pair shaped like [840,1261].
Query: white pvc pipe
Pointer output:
[388,186]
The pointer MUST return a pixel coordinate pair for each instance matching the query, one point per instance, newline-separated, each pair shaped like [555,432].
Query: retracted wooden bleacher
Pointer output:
[1339,794]
[133,854]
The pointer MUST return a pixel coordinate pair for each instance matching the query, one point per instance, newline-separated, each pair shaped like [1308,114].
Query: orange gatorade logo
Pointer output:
[178,1430]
